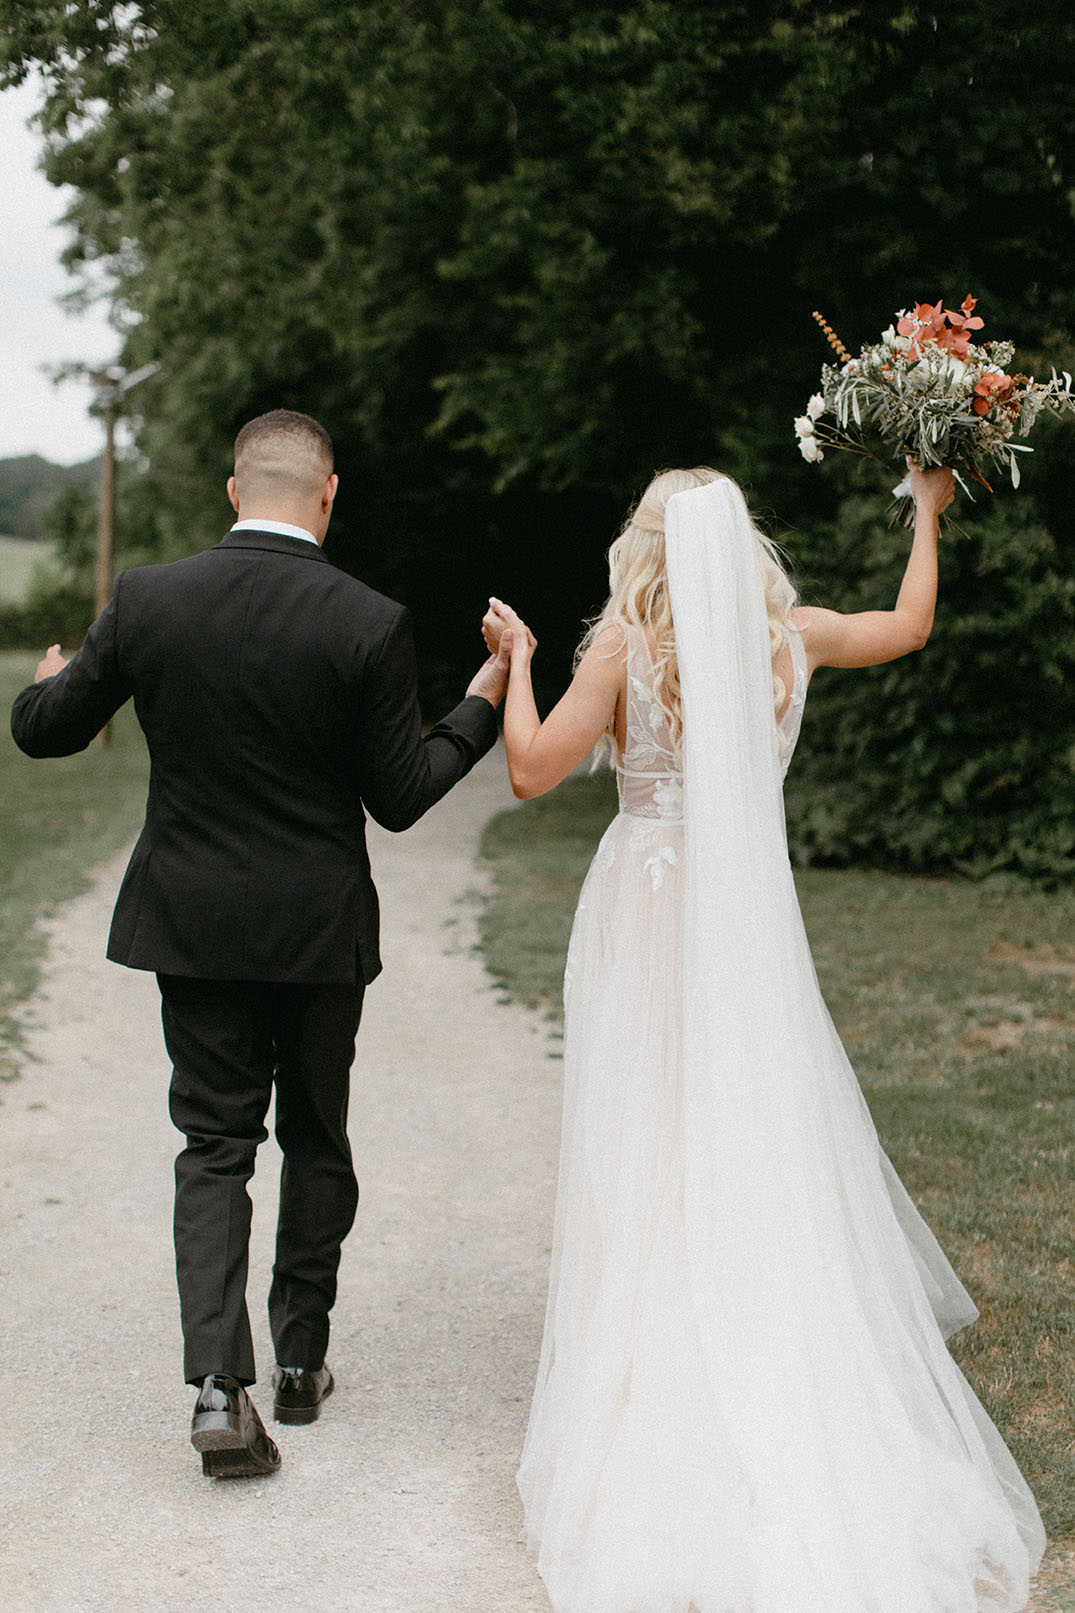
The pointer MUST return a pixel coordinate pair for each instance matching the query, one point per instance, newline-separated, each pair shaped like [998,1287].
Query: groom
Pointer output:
[278,699]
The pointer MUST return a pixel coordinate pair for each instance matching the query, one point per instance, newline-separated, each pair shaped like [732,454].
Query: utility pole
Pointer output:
[112,386]
[106,507]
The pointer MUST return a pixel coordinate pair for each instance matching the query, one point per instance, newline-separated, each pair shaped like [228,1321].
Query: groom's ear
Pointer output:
[329,494]
[233,494]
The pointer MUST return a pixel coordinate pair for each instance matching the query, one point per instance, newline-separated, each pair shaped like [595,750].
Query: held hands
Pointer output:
[504,630]
[52,663]
[491,680]
[509,641]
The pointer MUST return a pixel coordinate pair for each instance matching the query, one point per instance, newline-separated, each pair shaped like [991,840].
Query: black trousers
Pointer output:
[230,1042]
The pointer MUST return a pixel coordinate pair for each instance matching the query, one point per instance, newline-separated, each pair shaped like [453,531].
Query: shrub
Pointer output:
[960,758]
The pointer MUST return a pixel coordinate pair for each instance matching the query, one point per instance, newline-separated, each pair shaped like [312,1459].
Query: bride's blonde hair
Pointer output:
[638,589]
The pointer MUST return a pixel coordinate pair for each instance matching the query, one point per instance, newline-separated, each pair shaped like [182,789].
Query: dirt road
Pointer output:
[401,1498]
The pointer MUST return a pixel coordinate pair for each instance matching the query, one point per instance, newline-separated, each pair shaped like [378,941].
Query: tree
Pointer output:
[518,254]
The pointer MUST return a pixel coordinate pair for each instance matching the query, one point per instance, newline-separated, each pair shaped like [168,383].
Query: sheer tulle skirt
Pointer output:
[744,1402]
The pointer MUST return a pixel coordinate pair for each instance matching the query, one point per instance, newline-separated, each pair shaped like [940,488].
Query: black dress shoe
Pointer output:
[298,1393]
[228,1432]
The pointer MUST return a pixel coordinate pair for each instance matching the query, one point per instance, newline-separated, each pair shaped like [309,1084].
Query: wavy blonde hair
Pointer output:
[638,589]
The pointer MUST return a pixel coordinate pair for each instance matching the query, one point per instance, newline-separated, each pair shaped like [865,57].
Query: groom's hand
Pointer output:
[52,663]
[491,680]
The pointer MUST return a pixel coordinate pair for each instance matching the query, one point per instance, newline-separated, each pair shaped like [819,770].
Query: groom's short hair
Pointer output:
[283,451]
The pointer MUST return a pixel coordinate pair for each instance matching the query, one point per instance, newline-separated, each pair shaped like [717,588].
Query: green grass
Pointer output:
[957,1007]
[58,818]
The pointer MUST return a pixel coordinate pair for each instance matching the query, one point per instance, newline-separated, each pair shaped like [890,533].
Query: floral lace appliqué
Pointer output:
[649,769]
[657,865]
[668,798]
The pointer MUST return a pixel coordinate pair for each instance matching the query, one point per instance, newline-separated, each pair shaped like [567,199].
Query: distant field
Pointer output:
[58,819]
[18,557]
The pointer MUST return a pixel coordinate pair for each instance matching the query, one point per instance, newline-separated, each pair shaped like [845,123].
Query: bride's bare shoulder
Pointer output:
[819,629]
[610,639]
[806,617]
[607,649]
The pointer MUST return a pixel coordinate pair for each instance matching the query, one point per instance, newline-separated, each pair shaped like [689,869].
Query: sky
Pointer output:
[37,416]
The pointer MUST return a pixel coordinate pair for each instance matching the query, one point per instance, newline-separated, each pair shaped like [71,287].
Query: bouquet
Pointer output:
[931,395]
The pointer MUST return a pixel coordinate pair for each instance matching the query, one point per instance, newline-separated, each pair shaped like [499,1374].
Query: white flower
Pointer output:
[668,799]
[804,426]
[810,449]
[816,406]
[655,866]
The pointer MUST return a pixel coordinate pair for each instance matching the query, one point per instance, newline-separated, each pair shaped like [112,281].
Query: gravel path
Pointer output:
[401,1498]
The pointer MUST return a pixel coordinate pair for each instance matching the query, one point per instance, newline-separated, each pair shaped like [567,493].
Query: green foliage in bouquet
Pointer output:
[926,392]
[961,757]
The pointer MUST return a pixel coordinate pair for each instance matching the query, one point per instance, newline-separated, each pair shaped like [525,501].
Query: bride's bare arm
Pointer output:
[540,754]
[869,637]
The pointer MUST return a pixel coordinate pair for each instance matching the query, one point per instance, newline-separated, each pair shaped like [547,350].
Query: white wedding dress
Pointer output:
[744,1402]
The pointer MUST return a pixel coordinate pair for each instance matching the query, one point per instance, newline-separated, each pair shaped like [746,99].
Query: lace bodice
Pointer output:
[649,773]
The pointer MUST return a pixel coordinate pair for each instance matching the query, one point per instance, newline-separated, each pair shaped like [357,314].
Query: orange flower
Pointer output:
[956,340]
[994,387]
[923,326]
[932,324]
[963,320]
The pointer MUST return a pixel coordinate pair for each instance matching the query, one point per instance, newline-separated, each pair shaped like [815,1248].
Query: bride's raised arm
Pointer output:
[870,637]
[540,754]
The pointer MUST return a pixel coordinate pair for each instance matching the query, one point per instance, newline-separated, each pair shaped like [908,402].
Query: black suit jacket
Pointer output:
[278,697]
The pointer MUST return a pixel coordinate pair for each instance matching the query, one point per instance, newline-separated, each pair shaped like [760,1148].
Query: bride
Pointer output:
[744,1402]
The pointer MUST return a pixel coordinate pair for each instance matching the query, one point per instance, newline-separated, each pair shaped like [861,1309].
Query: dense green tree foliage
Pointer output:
[516,255]
[962,756]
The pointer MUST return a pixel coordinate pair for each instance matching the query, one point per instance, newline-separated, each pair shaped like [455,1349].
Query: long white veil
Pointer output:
[820,1295]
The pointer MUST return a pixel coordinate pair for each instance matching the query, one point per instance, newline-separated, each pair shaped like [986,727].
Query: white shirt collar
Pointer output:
[282,527]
